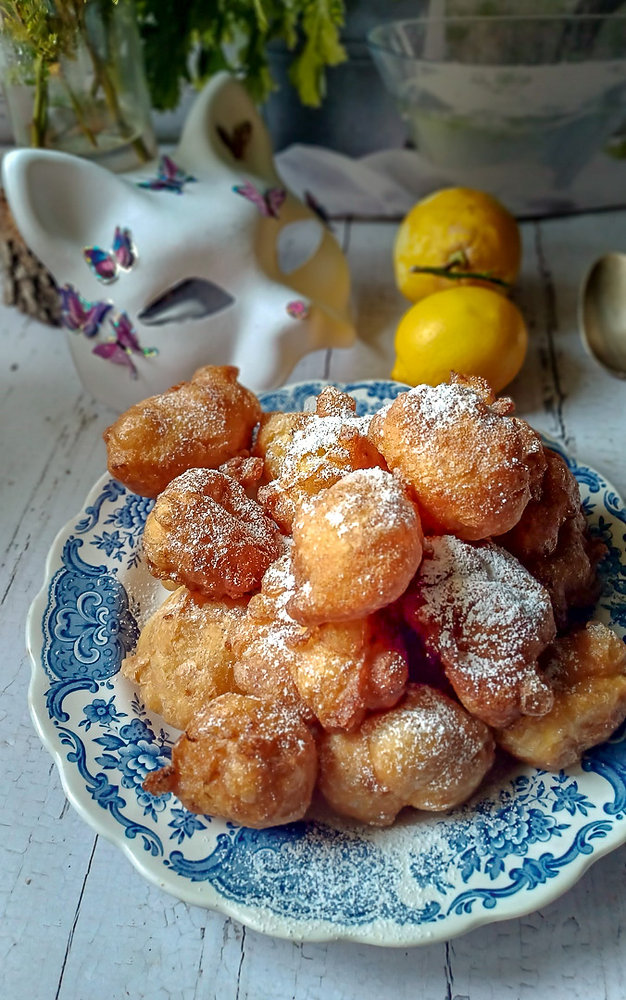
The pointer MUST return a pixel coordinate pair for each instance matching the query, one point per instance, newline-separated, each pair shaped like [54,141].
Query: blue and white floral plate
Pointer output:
[525,839]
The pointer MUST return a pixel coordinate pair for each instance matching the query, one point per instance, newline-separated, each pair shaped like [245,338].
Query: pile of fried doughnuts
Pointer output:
[363,608]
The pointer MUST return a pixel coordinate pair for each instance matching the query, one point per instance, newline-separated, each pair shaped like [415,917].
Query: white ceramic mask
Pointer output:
[204,258]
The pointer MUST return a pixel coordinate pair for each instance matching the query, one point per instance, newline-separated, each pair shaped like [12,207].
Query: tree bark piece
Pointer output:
[27,284]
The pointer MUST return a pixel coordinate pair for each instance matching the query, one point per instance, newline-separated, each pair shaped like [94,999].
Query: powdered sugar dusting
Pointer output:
[445,404]
[274,627]
[334,516]
[431,736]
[472,465]
[447,409]
[484,607]
[212,528]
[377,492]
[316,439]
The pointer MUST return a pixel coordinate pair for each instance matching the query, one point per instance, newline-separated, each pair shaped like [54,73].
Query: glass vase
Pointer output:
[74,80]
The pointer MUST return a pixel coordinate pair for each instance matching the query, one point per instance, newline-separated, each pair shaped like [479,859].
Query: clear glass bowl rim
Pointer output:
[490,19]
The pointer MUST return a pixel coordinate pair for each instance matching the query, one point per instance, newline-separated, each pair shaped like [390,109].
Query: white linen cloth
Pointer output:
[386,184]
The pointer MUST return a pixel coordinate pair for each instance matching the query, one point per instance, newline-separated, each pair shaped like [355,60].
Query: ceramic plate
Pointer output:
[526,838]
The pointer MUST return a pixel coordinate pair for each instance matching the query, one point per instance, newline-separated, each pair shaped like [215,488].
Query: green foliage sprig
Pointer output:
[189,40]
[49,30]
[43,34]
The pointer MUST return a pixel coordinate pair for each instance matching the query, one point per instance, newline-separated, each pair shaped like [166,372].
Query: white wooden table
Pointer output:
[76,920]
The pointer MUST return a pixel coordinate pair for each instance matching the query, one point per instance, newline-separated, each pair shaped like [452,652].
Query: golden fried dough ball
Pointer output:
[489,620]
[347,781]
[587,671]
[552,541]
[357,545]
[336,671]
[319,449]
[427,752]
[196,424]
[342,670]
[473,467]
[204,532]
[570,573]
[334,402]
[273,438]
[245,470]
[183,658]
[247,760]
[262,643]
[536,534]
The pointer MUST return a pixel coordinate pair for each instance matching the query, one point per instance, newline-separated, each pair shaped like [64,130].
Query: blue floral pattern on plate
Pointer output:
[522,841]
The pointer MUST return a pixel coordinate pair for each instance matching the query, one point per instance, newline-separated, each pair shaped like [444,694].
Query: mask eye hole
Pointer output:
[297,244]
[191,299]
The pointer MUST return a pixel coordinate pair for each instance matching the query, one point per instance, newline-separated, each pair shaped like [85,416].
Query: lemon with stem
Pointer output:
[456,236]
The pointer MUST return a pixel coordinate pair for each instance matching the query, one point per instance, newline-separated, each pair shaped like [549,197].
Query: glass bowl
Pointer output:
[510,103]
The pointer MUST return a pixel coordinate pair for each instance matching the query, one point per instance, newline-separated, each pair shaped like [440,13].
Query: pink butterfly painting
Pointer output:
[106,264]
[79,315]
[298,309]
[170,177]
[268,204]
[126,343]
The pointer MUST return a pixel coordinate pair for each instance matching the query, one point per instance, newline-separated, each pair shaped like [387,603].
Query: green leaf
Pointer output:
[321,22]
[190,40]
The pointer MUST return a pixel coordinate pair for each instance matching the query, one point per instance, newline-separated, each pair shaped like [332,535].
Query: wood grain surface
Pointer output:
[76,920]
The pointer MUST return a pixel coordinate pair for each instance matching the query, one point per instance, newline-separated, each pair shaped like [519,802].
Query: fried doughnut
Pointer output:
[334,402]
[357,545]
[183,658]
[338,670]
[536,534]
[244,759]
[472,465]
[427,752]
[262,643]
[552,541]
[489,620]
[196,424]
[570,573]
[347,781]
[587,671]
[272,440]
[245,470]
[314,453]
[205,533]
[343,670]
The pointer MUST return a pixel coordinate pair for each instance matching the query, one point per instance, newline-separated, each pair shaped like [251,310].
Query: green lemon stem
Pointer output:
[448,272]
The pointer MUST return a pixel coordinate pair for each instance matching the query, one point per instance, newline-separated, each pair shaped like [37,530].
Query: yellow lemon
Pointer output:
[467,329]
[459,232]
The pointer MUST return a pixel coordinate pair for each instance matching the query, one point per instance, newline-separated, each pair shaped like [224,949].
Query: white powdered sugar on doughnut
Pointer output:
[319,438]
[484,608]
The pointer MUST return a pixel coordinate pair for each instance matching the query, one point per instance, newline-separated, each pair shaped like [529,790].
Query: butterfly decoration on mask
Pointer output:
[79,315]
[298,309]
[106,264]
[238,140]
[170,177]
[268,204]
[120,351]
